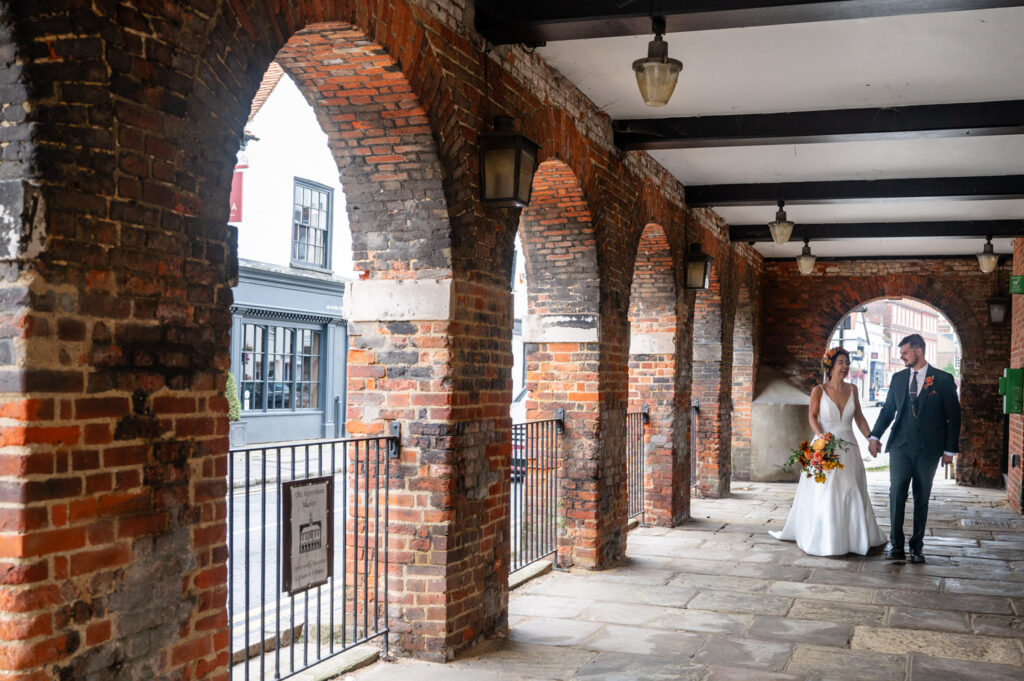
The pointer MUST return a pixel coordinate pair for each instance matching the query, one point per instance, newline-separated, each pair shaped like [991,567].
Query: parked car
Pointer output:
[518,466]
[880,395]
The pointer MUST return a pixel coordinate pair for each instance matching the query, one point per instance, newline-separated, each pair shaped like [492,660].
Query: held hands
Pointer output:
[874,446]
[946,459]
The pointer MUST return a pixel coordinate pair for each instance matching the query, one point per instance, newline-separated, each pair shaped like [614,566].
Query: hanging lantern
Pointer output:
[781,228]
[988,259]
[697,268]
[508,160]
[805,261]
[656,75]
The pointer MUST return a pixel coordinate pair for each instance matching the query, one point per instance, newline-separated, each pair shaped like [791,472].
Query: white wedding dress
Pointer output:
[835,517]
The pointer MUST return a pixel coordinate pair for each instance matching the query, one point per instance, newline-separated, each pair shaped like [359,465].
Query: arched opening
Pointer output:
[560,335]
[871,333]
[382,360]
[654,478]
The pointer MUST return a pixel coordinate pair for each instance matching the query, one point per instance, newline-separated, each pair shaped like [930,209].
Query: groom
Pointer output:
[923,401]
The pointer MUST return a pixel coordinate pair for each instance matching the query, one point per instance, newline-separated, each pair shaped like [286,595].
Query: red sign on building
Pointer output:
[235,214]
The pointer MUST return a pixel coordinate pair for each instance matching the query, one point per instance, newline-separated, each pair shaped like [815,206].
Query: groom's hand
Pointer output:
[873,447]
[946,459]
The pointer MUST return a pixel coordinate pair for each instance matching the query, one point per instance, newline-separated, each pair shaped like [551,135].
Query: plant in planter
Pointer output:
[236,434]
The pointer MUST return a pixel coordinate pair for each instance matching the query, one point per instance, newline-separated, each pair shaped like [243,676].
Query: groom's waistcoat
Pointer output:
[906,432]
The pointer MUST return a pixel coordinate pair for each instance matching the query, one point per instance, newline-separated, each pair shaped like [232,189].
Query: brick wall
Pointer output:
[1015,484]
[797,327]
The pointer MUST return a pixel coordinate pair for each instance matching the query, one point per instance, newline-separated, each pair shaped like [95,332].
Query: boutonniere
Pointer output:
[928,382]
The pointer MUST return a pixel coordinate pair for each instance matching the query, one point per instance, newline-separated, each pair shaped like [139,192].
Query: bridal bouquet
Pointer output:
[818,457]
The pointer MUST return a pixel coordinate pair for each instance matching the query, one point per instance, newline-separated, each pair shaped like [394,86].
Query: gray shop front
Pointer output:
[288,354]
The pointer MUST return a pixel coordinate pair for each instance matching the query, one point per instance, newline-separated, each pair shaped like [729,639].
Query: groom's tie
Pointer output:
[913,386]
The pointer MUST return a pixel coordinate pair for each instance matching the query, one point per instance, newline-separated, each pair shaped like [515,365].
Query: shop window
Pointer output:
[280,368]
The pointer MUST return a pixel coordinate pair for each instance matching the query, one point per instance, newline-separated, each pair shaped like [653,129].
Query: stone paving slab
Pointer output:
[942,669]
[715,673]
[933,620]
[847,665]
[852,613]
[941,601]
[622,667]
[724,601]
[642,641]
[815,632]
[550,631]
[745,652]
[937,644]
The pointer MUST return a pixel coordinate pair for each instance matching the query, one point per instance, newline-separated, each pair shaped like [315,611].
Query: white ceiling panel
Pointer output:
[888,61]
[945,157]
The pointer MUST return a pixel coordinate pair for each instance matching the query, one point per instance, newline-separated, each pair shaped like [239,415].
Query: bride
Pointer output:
[835,517]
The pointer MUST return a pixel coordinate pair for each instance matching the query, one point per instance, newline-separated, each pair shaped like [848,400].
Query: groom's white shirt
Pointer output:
[921,373]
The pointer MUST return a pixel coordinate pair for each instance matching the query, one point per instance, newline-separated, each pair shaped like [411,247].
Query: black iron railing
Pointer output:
[635,422]
[694,415]
[277,634]
[534,489]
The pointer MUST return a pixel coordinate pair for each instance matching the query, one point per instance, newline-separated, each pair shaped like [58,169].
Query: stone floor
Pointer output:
[718,599]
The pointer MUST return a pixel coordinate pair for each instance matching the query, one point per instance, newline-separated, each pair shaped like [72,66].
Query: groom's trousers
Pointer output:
[909,468]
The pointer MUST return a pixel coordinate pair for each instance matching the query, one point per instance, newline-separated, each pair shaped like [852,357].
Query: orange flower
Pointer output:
[819,444]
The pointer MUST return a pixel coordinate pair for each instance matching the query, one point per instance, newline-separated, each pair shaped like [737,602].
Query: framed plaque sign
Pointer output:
[308,538]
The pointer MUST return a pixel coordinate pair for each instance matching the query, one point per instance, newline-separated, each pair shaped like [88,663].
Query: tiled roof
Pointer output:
[270,79]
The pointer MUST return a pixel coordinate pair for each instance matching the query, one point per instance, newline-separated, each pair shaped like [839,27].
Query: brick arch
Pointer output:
[379,134]
[956,288]
[561,333]
[653,321]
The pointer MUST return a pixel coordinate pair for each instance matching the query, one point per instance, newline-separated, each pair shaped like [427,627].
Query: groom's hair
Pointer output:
[914,340]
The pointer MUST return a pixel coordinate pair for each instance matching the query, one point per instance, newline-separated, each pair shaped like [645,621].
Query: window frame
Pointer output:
[300,182]
[265,323]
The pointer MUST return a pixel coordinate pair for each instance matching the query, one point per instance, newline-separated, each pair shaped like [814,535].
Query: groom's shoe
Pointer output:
[916,557]
[895,554]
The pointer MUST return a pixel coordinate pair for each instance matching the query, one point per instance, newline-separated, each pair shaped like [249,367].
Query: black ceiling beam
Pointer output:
[534,22]
[974,119]
[884,230]
[844,191]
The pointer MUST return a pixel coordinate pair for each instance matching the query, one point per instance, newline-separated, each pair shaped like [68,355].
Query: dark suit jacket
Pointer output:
[938,412]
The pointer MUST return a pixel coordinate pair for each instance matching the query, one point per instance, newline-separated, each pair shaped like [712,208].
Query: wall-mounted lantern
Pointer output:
[697,266]
[508,160]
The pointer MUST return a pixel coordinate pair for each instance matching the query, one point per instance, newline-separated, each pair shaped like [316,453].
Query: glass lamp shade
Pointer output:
[697,266]
[508,160]
[781,228]
[988,259]
[805,261]
[998,309]
[657,74]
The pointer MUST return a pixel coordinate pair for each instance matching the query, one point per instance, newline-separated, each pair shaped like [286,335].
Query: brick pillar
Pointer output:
[113,435]
[1015,483]
[652,377]
[561,373]
[712,380]
[744,379]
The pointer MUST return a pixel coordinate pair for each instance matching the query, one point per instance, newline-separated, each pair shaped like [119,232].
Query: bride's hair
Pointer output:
[829,360]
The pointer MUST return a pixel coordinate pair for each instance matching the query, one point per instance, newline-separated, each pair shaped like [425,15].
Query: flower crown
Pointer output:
[830,357]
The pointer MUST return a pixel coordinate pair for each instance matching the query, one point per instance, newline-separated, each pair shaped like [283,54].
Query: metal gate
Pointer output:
[274,634]
[635,422]
[533,495]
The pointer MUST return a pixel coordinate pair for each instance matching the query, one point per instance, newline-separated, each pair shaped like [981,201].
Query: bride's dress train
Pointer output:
[835,517]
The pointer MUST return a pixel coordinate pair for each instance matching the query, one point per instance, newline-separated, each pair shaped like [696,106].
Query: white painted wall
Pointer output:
[290,144]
